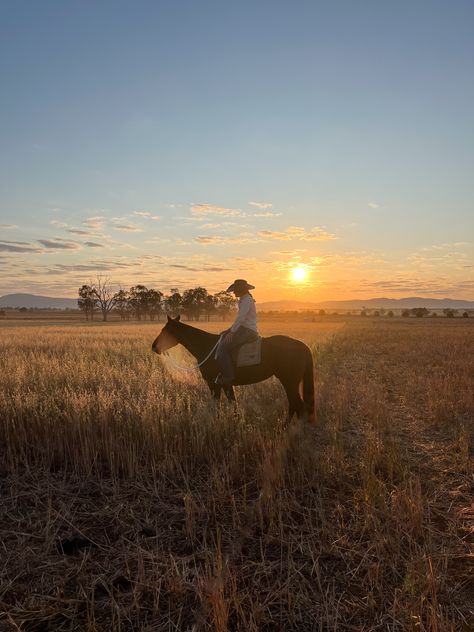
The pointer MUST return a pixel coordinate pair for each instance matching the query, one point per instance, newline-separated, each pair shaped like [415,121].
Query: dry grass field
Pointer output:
[130,501]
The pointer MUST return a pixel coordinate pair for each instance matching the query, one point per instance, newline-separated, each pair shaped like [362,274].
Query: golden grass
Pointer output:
[197,516]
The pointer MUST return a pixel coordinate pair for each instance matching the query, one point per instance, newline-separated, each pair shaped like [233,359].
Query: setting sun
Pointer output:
[299,274]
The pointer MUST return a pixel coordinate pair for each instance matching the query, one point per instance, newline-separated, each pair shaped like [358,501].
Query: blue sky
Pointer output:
[213,140]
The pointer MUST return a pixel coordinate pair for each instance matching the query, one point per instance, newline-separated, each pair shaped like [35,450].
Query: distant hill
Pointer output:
[48,302]
[40,302]
[371,303]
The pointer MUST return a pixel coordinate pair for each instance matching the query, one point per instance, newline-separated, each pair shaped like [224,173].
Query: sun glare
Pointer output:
[298,274]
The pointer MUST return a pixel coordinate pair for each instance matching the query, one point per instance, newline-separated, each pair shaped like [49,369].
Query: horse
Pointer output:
[290,360]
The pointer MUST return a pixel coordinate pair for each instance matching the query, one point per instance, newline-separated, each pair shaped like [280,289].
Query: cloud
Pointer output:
[296,232]
[203,210]
[17,246]
[142,213]
[78,231]
[373,205]
[266,214]
[217,239]
[59,244]
[92,244]
[8,226]
[127,228]
[96,223]
[261,204]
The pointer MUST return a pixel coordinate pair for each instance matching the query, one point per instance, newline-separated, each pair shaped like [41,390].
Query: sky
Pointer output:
[181,143]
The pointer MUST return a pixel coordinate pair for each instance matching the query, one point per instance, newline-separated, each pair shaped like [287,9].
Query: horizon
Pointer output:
[326,152]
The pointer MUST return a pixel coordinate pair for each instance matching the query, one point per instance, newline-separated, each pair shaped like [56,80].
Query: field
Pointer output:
[130,501]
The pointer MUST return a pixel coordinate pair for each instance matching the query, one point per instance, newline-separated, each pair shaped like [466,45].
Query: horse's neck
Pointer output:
[196,341]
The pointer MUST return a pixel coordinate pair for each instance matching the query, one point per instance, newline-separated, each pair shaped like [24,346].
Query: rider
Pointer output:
[244,329]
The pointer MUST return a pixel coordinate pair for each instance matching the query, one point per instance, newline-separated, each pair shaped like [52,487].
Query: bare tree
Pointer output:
[104,295]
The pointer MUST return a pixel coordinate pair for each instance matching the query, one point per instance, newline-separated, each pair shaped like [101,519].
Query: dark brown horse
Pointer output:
[290,360]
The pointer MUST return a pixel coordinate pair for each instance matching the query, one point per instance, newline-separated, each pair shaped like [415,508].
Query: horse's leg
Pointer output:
[229,393]
[215,390]
[295,403]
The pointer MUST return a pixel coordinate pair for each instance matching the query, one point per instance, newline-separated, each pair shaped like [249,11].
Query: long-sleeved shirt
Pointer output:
[247,316]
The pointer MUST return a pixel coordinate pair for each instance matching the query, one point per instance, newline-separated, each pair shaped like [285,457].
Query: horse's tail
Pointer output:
[308,387]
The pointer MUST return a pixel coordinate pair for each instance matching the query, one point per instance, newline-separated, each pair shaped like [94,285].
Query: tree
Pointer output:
[105,298]
[376,313]
[210,305]
[419,312]
[139,300]
[122,304]
[390,314]
[226,303]
[465,315]
[173,301]
[87,301]
[449,312]
[322,312]
[193,302]
[363,312]
[154,300]
[406,313]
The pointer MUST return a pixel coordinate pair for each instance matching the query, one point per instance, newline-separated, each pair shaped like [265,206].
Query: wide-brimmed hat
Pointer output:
[240,284]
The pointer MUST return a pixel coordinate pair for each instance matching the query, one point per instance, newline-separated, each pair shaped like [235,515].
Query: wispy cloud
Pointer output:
[127,228]
[266,214]
[373,205]
[18,246]
[203,210]
[298,233]
[261,204]
[217,239]
[7,226]
[60,244]
[95,223]
[78,231]
[93,244]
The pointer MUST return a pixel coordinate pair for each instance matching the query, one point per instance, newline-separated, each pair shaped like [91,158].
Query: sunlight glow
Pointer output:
[299,274]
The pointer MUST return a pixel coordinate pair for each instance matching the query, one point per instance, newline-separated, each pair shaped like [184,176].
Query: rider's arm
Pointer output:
[244,307]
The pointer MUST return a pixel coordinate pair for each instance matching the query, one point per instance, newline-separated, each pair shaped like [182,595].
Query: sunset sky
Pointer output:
[177,143]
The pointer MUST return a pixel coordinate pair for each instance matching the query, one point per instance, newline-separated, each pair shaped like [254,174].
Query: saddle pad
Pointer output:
[248,354]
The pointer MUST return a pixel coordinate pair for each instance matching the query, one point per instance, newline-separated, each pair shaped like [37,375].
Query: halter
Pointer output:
[192,368]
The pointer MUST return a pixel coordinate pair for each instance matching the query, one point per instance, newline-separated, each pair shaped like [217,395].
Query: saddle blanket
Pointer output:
[248,354]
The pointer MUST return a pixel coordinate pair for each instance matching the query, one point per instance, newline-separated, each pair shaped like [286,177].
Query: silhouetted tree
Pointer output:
[104,296]
[122,304]
[419,312]
[139,301]
[226,303]
[390,314]
[406,313]
[465,315]
[87,301]
[173,301]
[449,312]
[193,302]
[154,300]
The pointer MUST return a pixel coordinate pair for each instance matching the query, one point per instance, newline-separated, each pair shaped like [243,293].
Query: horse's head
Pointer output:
[166,339]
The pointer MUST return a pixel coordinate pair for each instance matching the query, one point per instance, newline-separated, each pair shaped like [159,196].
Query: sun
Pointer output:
[299,274]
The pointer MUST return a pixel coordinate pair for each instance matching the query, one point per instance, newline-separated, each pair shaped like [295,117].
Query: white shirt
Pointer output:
[247,316]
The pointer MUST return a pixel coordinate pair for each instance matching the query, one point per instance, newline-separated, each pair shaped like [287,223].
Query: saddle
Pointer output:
[248,354]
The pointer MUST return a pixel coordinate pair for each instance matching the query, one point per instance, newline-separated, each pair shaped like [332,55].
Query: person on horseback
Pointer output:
[244,329]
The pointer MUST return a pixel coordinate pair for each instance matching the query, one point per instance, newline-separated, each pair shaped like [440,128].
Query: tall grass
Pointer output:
[194,515]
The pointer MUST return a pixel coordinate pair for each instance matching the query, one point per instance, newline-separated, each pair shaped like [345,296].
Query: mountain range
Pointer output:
[49,302]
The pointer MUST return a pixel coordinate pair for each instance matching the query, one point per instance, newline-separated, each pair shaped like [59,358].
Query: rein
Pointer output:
[192,368]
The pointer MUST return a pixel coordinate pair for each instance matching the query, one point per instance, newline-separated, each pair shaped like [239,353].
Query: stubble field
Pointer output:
[130,501]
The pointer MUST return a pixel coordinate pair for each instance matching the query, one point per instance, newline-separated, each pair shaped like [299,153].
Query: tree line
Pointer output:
[140,302]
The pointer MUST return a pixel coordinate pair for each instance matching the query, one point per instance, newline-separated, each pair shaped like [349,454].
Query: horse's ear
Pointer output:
[178,317]
[169,318]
